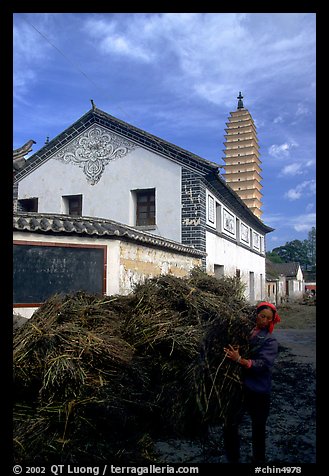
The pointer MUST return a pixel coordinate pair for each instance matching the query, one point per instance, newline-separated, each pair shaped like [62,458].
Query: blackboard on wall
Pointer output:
[39,271]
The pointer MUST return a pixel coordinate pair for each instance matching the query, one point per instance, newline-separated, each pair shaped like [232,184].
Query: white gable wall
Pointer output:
[225,253]
[111,197]
[299,275]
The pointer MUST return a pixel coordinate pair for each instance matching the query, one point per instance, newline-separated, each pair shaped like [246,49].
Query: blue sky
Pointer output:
[177,75]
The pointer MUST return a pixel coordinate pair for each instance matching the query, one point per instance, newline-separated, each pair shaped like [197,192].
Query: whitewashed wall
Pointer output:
[127,263]
[228,254]
[140,262]
[296,288]
[275,291]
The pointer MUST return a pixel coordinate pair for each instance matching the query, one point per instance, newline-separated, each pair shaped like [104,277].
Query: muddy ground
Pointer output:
[291,428]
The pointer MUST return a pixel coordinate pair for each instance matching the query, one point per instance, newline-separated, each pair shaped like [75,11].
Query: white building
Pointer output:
[285,282]
[102,167]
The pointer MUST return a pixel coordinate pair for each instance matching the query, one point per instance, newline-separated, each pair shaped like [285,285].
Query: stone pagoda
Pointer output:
[242,164]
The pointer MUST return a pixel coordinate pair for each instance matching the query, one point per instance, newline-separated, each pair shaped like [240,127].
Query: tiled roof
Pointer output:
[286,269]
[97,227]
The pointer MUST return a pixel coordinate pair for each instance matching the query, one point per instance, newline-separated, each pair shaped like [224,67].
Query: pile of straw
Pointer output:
[97,378]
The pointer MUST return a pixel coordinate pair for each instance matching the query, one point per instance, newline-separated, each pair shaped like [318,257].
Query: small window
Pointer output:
[73,205]
[28,205]
[218,217]
[219,271]
[145,207]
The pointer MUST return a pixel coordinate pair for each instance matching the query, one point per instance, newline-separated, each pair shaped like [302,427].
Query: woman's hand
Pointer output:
[232,353]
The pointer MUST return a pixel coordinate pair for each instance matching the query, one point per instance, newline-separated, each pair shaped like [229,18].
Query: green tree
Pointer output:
[274,257]
[311,247]
[295,250]
[304,252]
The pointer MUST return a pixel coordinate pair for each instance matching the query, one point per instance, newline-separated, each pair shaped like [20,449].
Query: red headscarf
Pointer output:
[276,317]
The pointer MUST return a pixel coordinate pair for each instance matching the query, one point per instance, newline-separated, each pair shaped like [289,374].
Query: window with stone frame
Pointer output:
[28,205]
[73,205]
[145,207]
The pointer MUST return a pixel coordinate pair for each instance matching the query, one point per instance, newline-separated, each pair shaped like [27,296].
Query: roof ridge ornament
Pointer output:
[18,154]
[240,102]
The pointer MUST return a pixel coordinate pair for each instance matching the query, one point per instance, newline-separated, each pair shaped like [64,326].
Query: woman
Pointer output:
[257,382]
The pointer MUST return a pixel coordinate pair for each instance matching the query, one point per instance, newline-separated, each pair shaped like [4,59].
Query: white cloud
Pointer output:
[200,53]
[27,51]
[303,223]
[273,219]
[308,187]
[208,48]
[112,38]
[293,194]
[309,207]
[282,150]
[297,168]
[286,226]
[34,38]
[302,110]
[278,119]
[292,169]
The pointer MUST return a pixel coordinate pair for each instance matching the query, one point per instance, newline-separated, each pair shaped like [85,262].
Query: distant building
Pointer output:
[310,282]
[242,163]
[284,281]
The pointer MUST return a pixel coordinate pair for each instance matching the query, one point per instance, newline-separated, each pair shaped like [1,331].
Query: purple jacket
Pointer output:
[263,352]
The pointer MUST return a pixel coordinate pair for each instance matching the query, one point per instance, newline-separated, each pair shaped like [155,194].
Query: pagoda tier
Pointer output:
[247,192]
[245,180]
[241,167]
[235,143]
[242,164]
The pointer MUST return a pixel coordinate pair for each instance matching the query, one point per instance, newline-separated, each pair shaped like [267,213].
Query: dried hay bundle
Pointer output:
[74,371]
[66,342]
[98,377]
[182,325]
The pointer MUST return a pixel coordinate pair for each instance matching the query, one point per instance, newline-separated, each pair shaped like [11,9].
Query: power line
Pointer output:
[77,67]
[69,60]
